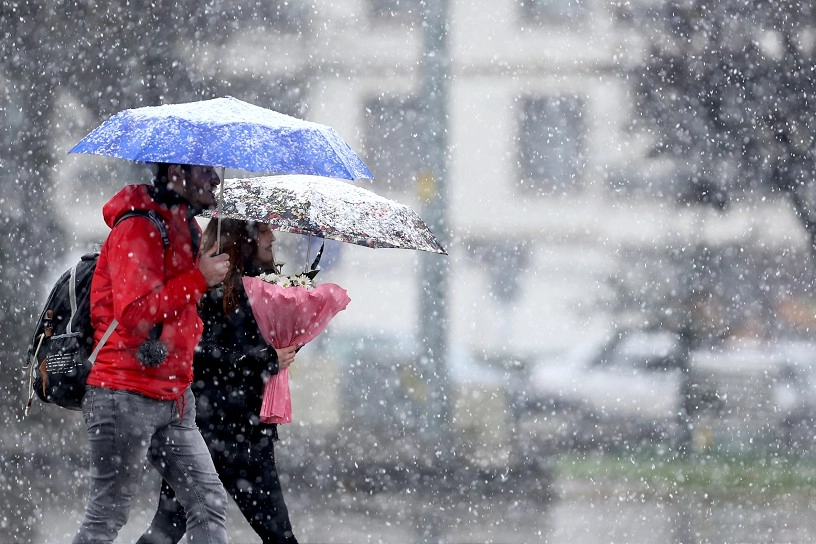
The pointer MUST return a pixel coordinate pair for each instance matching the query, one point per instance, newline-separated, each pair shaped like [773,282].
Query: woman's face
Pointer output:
[266,239]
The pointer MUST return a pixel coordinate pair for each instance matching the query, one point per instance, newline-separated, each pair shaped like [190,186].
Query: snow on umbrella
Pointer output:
[228,133]
[326,208]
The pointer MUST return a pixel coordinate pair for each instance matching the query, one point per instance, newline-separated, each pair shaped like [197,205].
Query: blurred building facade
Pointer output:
[549,192]
[551,201]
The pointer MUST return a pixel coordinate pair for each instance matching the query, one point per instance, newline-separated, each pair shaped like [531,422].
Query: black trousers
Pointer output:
[246,466]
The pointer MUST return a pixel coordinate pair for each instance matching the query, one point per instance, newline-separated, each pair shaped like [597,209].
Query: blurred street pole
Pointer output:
[433,277]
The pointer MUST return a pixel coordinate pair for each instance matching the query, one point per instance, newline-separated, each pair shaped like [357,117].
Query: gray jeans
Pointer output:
[123,429]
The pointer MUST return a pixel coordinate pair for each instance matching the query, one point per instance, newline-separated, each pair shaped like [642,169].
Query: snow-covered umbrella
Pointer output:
[326,208]
[227,133]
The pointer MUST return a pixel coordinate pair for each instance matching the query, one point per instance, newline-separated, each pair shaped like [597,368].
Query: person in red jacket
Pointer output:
[138,402]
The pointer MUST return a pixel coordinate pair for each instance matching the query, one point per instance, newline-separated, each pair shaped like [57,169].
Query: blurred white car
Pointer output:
[768,393]
[605,394]
[794,390]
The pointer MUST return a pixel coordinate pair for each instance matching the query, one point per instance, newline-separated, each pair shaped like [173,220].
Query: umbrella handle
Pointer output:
[308,253]
[220,209]
[319,254]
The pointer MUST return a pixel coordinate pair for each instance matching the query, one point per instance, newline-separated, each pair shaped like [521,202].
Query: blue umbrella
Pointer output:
[227,133]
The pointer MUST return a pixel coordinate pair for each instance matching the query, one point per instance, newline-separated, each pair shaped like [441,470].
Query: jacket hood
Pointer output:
[143,197]
[129,198]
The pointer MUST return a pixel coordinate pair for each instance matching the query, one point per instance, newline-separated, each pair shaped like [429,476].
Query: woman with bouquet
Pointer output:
[231,365]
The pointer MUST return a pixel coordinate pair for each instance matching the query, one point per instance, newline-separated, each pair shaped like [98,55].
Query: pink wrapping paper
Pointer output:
[290,316]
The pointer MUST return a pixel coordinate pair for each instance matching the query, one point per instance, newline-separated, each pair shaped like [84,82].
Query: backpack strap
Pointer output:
[72,298]
[111,327]
[154,218]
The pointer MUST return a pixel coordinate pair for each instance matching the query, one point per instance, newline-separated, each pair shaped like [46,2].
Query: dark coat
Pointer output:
[230,363]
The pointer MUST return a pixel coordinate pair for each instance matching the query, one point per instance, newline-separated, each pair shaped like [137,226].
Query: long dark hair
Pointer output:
[239,240]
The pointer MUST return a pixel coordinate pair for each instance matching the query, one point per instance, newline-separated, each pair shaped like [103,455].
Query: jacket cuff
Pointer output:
[265,357]
[199,284]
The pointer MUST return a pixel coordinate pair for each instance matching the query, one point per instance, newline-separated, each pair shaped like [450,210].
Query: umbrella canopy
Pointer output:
[326,208]
[228,133]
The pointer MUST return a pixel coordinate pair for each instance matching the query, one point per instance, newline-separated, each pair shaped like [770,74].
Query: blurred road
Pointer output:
[583,513]
[345,517]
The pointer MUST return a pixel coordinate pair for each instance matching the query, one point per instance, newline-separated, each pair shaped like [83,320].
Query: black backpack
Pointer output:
[60,354]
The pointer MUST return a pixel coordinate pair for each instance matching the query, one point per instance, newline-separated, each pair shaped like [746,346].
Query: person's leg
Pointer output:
[180,454]
[119,428]
[169,522]
[251,478]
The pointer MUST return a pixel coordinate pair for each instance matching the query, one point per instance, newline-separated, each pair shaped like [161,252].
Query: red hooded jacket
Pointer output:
[141,284]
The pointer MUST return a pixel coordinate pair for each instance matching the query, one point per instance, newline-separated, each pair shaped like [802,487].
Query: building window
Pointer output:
[392,141]
[552,11]
[551,144]
[396,9]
